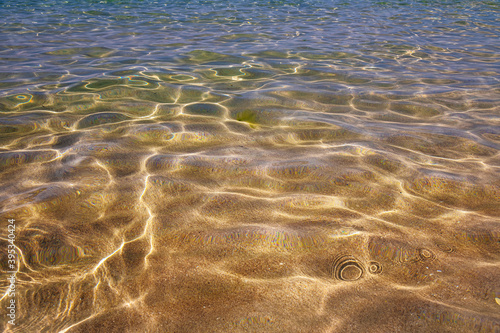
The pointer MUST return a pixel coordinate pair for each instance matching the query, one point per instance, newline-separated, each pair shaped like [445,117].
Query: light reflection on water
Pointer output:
[272,166]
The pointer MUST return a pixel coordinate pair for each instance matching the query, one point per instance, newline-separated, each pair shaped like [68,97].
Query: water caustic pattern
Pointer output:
[267,166]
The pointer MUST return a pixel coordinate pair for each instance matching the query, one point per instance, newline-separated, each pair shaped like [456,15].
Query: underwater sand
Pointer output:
[282,166]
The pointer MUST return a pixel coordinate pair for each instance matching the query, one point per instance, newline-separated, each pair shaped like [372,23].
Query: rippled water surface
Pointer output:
[266,166]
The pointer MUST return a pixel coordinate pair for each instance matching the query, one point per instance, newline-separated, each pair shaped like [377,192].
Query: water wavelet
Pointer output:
[221,169]
[122,164]
[426,254]
[13,127]
[328,97]
[227,207]
[203,57]
[457,192]
[347,268]
[292,169]
[217,168]
[66,140]
[45,199]
[27,101]
[415,110]
[151,133]
[445,247]
[101,118]
[370,102]
[374,267]
[47,250]
[253,239]
[386,163]
[397,252]
[204,109]
[9,160]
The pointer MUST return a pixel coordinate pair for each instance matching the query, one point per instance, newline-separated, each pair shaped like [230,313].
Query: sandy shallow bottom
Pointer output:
[249,167]
[231,215]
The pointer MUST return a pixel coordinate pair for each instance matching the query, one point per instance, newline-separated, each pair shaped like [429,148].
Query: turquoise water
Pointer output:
[266,166]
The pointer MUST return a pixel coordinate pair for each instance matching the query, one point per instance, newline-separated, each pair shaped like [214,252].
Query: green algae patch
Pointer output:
[247,116]
[101,118]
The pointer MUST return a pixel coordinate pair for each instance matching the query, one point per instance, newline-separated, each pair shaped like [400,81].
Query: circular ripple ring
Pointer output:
[347,268]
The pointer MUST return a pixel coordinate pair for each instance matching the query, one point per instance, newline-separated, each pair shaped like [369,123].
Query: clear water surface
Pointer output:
[250,166]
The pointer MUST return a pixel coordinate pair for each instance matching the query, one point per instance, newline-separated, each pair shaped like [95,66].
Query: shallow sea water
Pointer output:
[266,166]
